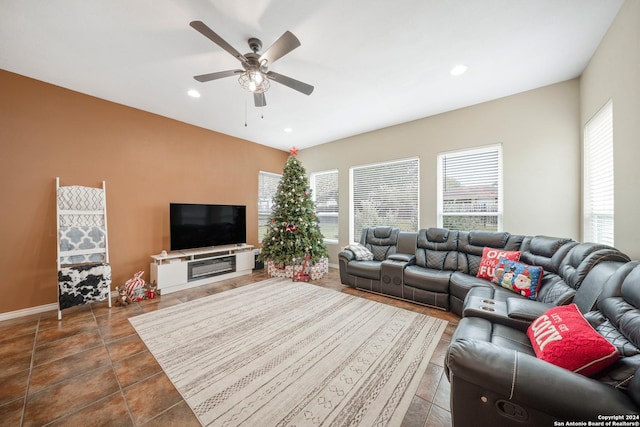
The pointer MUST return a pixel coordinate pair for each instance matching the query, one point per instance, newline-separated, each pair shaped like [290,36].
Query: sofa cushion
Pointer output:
[563,337]
[490,258]
[365,269]
[427,279]
[521,278]
[461,283]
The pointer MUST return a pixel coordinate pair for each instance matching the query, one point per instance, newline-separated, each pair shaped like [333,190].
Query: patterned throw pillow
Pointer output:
[518,277]
[490,258]
[361,253]
[563,336]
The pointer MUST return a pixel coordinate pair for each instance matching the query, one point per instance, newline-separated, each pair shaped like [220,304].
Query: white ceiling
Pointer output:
[373,63]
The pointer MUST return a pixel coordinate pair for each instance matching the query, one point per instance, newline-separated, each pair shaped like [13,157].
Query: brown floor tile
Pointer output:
[49,319]
[69,396]
[438,417]
[439,353]
[15,363]
[149,397]
[51,373]
[106,315]
[16,348]
[14,328]
[442,393]
[178,415]
[429,383]
[11,413]
[101,308]
[116,329]
[66,329]
[159,303]
[66,347]
[416,415]
[194,293]
[136,368]
[125,347]
[111,411]
[14,386]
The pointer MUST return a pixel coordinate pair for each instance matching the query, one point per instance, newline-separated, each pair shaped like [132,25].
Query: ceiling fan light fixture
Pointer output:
[254,81]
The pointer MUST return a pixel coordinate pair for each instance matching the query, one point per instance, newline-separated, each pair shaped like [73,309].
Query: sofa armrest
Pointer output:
[408,258]
[346,255]
[525,309]
[533,384]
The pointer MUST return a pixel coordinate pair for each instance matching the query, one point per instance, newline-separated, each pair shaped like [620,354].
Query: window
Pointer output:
[267,187]
[470,189]
[324,187]
[385,194]
[598,177]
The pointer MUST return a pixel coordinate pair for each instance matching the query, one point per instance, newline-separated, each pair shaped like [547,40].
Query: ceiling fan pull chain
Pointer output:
[245,111]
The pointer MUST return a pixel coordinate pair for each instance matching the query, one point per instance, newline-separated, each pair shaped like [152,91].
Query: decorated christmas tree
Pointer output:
[293,230]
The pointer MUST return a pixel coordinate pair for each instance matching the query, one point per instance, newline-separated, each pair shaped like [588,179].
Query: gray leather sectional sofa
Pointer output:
[495,376]
[437,267]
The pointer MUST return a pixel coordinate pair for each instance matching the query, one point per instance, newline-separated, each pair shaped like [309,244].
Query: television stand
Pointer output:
[186,269]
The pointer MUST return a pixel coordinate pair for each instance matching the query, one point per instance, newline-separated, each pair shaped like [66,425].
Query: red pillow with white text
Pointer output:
[490,258]
[563,336]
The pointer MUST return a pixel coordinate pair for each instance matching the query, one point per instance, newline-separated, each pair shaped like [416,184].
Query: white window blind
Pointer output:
[470,189]
[385,194]
[598,177]
[267,187]
[324,187]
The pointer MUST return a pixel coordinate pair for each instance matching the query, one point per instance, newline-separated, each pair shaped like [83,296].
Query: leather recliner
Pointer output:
[496,378]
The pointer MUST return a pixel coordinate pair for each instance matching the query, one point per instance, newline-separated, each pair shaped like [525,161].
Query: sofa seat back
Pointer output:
[437,249]
[381,241]
[618,320]
[576,267]
[548,253]
[472,243]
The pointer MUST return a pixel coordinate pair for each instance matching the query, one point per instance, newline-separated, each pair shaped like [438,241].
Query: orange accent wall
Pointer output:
[146,160]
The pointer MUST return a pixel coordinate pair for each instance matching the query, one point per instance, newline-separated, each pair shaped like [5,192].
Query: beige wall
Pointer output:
[540,136]
[614,73]
[147,161]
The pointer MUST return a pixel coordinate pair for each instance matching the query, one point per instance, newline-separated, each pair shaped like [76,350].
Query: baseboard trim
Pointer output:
[28,311]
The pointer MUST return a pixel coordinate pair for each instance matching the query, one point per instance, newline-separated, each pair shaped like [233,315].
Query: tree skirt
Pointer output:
[316,271]
[283,353]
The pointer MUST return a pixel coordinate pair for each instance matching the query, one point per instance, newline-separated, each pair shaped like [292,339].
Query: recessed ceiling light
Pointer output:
[193,93]
[458,70]
[288,130]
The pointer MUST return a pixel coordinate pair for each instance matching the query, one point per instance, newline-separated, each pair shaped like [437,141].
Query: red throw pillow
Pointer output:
[563,336]
[490,257]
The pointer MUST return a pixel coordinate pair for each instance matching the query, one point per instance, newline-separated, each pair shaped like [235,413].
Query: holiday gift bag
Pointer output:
[135,287]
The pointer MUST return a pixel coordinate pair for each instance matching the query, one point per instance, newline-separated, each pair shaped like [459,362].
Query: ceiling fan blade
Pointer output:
[259,99]
[285,44]
[292,83]
[202,28]
[214,76]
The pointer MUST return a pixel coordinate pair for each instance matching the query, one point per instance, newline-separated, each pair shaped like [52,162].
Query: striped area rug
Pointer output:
[283,353]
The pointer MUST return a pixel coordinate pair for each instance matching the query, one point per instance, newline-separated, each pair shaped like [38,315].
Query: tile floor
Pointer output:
[91,368]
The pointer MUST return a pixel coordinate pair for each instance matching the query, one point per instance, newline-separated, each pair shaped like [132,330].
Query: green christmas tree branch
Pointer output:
[294,228]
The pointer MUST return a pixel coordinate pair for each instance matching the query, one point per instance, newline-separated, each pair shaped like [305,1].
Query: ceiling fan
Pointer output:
[255,74]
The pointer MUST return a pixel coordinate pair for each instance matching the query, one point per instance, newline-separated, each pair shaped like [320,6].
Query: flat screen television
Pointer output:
[198,226]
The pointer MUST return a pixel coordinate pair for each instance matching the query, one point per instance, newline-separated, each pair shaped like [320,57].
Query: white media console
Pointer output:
[180,270]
